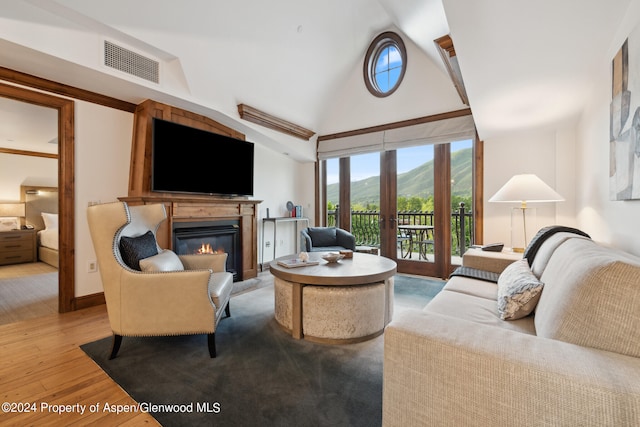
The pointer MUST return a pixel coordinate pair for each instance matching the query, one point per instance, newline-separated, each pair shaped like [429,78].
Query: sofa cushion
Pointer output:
[322,236]
[518,291]
[133,249]
[474,287]
[164,261]
[475,309]
[591,298]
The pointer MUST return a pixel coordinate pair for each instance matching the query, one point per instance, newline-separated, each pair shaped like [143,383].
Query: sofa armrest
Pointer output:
[494,262]
[345,239]
[443,370]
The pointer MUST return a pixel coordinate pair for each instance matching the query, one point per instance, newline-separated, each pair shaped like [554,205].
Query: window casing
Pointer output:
[385,64]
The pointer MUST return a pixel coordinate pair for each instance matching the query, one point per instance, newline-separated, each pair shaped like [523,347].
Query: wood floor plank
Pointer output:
[42,363]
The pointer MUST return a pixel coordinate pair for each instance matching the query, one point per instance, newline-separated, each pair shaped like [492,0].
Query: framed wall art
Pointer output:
[624,135]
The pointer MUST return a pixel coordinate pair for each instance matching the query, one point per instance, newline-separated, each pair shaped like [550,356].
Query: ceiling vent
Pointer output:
[130,62]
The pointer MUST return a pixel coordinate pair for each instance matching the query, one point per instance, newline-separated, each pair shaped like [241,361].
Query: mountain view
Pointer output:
[417,182]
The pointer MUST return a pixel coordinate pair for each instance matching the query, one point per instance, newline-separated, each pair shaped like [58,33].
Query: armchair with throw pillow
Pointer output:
[150,291]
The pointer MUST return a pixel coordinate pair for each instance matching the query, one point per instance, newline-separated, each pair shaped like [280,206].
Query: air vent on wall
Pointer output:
[130,62]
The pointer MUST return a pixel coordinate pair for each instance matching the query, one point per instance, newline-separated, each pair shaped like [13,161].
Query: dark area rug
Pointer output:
[261,375]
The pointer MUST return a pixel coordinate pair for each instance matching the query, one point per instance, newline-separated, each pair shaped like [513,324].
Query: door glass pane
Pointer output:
[461,198]
[415,189]
[333,190]
[365,199]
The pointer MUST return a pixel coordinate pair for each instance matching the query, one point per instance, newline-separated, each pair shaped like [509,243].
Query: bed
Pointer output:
[41,209]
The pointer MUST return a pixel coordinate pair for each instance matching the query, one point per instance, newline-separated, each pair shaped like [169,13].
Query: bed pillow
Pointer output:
[133,249]
[518,291]
[165,261]
[50,220]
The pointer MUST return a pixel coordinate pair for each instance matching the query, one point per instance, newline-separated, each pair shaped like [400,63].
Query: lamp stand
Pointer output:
[523,222]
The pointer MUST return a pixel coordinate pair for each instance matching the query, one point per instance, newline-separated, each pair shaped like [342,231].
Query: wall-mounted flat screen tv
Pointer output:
[189,160]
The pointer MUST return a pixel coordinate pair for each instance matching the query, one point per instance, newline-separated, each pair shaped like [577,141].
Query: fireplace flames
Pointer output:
[206,248]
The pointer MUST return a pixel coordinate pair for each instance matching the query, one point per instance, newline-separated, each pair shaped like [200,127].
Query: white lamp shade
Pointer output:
[526,188]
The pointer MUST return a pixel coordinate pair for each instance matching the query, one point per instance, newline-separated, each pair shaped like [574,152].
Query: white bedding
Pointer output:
[49,238]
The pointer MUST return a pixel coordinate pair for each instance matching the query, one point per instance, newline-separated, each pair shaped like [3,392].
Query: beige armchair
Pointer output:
[171,294]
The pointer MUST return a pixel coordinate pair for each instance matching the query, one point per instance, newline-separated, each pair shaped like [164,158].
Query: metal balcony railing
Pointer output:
[365,226]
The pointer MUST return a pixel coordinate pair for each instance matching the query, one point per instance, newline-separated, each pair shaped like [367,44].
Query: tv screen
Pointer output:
[190,160]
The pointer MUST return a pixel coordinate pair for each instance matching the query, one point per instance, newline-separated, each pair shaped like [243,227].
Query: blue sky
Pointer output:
[367,165]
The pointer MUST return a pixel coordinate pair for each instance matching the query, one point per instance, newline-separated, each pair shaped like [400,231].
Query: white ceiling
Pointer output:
[525,64]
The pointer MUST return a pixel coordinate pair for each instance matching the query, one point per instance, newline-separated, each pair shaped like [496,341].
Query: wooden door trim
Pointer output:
[66,187]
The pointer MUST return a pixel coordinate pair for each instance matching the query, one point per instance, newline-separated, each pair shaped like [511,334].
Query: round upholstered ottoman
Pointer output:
[352,313]
[283,303]
[340,302]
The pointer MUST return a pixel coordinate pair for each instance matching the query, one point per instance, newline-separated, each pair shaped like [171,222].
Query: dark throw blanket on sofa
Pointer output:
[529,253]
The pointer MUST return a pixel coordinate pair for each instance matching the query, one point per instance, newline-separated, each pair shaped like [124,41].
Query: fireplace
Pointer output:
[210,237]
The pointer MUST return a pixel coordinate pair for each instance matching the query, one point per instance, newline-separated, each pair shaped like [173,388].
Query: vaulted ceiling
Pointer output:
[524,64]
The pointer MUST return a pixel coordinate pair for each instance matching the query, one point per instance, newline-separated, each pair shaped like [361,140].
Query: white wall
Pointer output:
[547,154]
[279,179]
[16,170]
[611,222]
[573,161]
[102,156]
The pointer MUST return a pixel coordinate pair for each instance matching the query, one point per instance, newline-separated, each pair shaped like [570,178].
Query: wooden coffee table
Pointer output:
[343,302]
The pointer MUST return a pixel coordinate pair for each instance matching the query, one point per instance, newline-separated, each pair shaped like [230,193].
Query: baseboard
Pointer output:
[87,301]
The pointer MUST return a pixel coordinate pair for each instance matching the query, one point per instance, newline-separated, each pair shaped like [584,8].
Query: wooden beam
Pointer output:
[261,118]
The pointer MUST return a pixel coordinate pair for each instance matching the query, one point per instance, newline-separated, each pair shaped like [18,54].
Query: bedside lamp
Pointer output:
[12,210]
[523,189]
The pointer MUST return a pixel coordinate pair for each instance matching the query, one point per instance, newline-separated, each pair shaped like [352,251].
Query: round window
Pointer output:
[385,64]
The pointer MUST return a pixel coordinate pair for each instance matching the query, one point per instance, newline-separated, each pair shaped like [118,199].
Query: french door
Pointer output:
[417,237]
[415,189]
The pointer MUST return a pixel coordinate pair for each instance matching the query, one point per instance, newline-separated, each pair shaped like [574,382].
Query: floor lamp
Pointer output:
[523,189]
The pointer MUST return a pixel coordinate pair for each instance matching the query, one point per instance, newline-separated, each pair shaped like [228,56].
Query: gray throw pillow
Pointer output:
[133,249]
[518,291]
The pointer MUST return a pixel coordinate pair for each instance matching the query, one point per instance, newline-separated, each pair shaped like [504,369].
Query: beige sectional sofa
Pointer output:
[574,361]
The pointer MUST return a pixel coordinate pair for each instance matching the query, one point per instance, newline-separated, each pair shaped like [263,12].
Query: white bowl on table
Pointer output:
[332,257]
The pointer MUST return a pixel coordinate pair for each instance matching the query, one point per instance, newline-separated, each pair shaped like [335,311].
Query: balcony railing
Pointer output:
[365,226]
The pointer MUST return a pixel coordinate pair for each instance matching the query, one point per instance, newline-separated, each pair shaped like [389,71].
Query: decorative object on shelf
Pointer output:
[332,257]
[290,207]
[523,189]
[10,214]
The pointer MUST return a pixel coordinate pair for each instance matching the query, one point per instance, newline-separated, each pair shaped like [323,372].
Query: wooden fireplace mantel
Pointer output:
[186,207]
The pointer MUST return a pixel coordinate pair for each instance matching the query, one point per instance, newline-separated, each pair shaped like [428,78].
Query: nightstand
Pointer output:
[495,262]
[17,246]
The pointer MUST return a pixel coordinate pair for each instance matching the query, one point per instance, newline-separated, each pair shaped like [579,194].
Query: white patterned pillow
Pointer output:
[164,261]
[518,291]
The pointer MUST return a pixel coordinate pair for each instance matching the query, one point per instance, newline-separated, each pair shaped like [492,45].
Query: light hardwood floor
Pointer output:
[42,364]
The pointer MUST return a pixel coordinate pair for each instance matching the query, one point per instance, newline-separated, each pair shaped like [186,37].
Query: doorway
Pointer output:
[65,170]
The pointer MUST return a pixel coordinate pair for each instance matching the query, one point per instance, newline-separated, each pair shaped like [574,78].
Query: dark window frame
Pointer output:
[378,44]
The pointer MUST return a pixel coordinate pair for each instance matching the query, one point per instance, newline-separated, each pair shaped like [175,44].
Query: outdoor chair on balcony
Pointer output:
[426,243]
[404,242]
[326,239]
